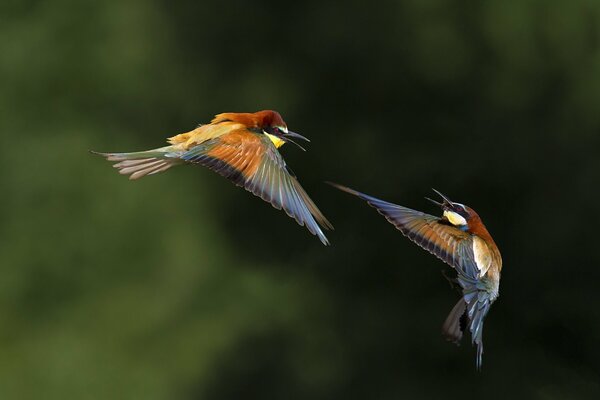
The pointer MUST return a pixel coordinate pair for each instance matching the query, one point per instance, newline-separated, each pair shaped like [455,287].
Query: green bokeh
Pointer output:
[183,286]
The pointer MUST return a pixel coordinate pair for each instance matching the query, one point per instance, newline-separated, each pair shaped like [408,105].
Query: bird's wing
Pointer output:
[251,160]
[429,232]
[452,246]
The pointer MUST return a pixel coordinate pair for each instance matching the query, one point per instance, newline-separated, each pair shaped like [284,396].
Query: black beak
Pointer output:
[437,203]
[295,135]
[447,202]
[289,135]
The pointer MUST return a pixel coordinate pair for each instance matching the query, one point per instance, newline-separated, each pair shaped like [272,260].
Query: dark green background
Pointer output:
[183,286]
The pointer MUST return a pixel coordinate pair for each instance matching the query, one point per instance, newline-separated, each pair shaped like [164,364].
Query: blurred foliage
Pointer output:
[182,286]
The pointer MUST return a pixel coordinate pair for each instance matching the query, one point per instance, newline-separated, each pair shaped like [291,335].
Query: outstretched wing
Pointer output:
[251,160]
[451,245]
[429,232]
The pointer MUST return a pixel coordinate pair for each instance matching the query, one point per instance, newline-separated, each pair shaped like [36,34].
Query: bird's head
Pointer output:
[456,214]
[268,122]
[272,125]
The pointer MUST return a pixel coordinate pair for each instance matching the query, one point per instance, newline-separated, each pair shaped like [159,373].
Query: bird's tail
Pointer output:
[142,163]
[456,322]
[476,312]
[469,315]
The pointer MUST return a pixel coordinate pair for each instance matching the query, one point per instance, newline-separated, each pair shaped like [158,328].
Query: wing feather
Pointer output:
[427,231]
[251,160]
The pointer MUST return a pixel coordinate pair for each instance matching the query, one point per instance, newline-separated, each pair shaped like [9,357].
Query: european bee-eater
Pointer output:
[242,147]
[460,239]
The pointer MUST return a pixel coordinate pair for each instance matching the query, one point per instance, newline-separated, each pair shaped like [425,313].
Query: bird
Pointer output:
[461,240]
[242,147]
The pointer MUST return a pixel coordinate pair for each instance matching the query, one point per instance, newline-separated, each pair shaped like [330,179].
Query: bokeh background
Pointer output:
[181,286]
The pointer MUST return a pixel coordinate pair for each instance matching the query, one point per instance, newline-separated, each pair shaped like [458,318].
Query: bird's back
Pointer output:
[187,140]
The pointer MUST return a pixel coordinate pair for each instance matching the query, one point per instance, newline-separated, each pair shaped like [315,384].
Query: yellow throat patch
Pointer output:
[276,141]
[454,218]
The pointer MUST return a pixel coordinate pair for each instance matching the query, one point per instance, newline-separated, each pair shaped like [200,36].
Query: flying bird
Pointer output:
[242,147]
[460,239]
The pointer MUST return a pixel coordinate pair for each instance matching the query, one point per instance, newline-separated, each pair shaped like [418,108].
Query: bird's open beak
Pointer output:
[437,203]
[447,202]
[295,135]
[289,136]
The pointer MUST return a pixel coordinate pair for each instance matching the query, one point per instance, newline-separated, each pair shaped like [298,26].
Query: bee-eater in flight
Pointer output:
[460,239]
[242,147]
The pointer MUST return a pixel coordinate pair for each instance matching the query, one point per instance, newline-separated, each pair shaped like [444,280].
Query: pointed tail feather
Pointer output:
[465,315]
[477,311]
[140,164]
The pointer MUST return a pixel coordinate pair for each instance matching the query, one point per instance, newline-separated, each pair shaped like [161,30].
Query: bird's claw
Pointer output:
[452,281]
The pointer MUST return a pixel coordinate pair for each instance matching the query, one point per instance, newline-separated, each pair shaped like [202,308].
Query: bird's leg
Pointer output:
[452,281]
